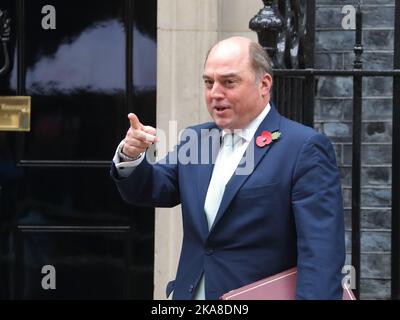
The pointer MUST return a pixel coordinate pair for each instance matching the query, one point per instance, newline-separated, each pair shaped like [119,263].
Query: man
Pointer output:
[239,228]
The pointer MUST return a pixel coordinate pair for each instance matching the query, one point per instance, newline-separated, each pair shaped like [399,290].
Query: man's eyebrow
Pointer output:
[227,75]
[230,75]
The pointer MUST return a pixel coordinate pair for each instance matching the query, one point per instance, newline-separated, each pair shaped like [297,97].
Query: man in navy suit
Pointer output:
[264,198]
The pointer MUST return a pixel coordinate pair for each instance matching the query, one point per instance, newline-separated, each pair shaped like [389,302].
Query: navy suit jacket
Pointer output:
[287,212]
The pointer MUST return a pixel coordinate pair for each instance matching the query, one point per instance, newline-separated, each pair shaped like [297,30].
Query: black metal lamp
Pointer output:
[268,23]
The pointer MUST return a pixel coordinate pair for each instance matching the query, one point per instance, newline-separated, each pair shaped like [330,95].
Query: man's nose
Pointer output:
[216,91]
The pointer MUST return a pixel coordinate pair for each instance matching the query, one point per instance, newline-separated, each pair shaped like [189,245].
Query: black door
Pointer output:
[64,230]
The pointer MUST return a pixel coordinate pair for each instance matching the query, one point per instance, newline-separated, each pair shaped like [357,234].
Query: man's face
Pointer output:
[233,96]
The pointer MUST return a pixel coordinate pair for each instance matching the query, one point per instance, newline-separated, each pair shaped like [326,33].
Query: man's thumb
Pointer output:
[134,120]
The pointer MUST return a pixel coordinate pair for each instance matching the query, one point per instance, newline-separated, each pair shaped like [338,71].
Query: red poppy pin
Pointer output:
[266,138]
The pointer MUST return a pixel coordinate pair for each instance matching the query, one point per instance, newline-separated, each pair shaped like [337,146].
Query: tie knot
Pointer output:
[230,140]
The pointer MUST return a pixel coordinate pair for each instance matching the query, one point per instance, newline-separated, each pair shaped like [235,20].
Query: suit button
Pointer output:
[191,288]
[209,251]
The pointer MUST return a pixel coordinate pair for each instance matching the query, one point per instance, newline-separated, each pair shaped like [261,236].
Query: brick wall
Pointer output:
[333,116]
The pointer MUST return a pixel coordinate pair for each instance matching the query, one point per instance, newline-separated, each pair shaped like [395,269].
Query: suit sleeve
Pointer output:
[151,185]
[318,211]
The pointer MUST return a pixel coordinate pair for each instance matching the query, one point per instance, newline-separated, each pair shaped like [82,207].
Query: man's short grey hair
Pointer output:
[260,61]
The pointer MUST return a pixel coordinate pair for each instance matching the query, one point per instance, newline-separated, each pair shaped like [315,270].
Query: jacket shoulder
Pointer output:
[299,132]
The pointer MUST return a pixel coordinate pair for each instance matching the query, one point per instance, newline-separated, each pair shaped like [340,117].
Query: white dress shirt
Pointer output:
[125,168]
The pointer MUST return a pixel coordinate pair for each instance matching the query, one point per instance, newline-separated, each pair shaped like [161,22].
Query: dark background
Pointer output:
[58,205]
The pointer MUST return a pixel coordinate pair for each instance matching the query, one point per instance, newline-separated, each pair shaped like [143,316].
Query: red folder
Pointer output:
[281,286]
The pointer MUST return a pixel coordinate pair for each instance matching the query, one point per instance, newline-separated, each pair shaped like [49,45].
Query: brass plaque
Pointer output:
[15,113]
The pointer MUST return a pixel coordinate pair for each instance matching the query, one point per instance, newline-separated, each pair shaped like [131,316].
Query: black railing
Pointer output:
[356,159]
[396,163]
[294,95]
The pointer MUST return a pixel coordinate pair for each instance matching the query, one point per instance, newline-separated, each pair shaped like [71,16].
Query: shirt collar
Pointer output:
[249,131]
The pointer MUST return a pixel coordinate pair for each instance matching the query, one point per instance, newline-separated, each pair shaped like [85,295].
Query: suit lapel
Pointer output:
[270,123]
[210,142]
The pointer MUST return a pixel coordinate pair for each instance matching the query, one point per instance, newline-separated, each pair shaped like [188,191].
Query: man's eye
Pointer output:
[208,83]
[229,83]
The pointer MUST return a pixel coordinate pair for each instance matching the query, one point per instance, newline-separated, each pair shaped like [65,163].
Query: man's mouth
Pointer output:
[220,108]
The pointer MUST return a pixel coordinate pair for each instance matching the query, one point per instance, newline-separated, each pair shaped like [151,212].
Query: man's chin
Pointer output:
[222,124]
[225,124]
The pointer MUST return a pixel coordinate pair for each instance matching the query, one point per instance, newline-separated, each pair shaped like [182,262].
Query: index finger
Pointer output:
[134,120]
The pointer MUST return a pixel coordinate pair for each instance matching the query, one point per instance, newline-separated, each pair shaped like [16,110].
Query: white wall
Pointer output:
[186,30]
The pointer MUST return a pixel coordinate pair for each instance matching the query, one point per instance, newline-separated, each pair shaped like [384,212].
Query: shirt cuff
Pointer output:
[125,168]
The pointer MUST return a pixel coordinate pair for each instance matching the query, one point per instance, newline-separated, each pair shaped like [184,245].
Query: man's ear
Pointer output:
[266,84]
